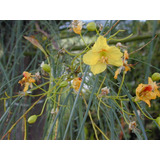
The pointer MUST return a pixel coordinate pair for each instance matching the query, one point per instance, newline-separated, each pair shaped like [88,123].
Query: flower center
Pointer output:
[104,59]
[102,52]
[146,90]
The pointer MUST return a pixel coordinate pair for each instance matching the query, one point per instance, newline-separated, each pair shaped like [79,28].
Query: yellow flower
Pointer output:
[77,26]
[27,80]
[125,65]
[101,55]
[76,83]
[146,92]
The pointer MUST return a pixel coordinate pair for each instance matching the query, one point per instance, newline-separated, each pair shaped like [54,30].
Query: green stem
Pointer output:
[115,34]
[124,114]
[43,108]
[122,38]
[97,32]
[121,84]
[84,41]
[143,112]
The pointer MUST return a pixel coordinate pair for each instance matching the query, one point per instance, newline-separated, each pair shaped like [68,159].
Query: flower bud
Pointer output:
[32,119]
[46,67]
[63,84]
[119,45]
[158,120]
[91,26]
[156,77]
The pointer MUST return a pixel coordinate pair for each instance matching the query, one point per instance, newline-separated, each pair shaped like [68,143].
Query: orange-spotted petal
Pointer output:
[100,44]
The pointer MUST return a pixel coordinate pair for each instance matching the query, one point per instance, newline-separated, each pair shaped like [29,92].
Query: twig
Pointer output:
[25,128]
[112,28]
[47,35]
[144,45]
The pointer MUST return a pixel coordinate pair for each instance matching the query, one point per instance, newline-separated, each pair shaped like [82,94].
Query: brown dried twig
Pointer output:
[112,28]
[143,45]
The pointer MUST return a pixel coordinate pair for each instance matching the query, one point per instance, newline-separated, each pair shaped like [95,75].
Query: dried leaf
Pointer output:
[34,42]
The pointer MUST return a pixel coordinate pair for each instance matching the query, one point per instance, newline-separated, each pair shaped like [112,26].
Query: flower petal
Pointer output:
[148,102]
[100,44]
[154,85]
[114,56]
[150,81]
[117,72]
[98,68]
[26,87]
[91,58]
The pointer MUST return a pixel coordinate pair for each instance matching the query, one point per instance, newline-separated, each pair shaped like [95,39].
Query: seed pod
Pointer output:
[91,26]
[156,77]
[63,84]
[46,67]
[32,119]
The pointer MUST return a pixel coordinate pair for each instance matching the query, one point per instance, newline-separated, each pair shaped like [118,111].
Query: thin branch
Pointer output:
[143,45]
[112,28]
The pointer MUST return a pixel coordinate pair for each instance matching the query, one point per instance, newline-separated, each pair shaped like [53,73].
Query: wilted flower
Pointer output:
[76,83]
[37,76]
[119,45]
[53,111]
[77,26]
[27,80]
[146,92]
[101,55]
[104,91]
[125,65]
[132,125]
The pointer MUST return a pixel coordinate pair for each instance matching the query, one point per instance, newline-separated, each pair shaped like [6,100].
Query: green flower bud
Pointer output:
[32,119]
[91,26]
[158,120]
[46,67]
[63,84]
[156,77]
